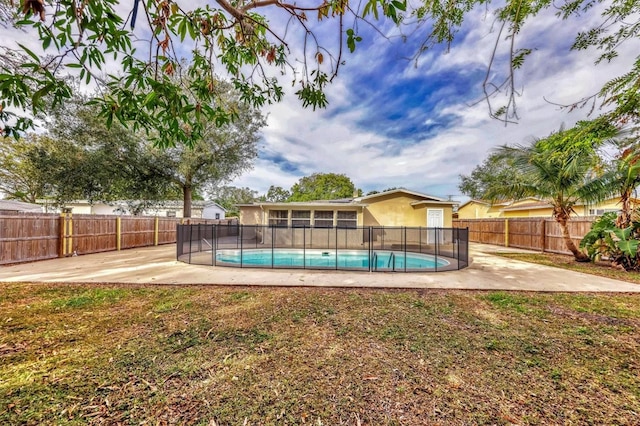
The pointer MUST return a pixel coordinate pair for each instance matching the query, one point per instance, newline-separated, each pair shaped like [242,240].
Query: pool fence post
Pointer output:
[304,246]
[336,229]
[240,233]
[199,239]
[405,249]
[178,241]
[189,242]
[456,247]
[370,247]
[273,229]
[437,240]
[214,247]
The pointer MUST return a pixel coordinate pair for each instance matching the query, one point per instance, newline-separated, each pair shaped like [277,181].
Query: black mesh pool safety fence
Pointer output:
[383,249]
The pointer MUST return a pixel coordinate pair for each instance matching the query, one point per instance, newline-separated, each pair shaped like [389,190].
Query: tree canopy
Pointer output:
[322,186]
[223,153]
[229,196]
[253,43]
[80,158]
[494,170]
[560,169]
[277,194]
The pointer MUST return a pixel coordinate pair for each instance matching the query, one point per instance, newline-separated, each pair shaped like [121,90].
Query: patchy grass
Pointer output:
[568,262]
[100,354]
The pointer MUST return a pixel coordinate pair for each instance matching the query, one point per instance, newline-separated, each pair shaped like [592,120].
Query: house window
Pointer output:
[323,219]
[600,212]
[347,219]
[171,213]
[300,218]
[217,215]
[278,218]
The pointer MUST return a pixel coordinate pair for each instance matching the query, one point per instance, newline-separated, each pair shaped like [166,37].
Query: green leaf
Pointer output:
[629,247]
[400,5]
[30,53]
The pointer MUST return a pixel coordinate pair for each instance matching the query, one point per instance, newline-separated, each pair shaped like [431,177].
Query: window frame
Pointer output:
[349,223]
[279,220]
[299,219]
[325,220]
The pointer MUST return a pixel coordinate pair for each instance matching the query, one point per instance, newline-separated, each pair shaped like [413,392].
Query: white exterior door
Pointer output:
[435,219]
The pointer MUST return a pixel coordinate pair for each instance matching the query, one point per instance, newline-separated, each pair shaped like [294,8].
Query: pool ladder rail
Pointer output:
[391,264]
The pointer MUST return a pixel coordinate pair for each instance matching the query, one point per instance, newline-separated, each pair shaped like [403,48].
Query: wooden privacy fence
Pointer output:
[30,237]
[533,233]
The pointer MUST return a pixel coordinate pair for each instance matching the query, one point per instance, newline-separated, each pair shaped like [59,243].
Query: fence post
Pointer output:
[543,234]
[62,246]
[155,231]
[70,232]
[118,233]
[506,232]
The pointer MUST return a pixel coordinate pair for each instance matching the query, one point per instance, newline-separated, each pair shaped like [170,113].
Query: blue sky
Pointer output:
[392,122]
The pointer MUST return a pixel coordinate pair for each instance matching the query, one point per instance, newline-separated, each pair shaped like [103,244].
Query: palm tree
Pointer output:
[622,180]
[559,169]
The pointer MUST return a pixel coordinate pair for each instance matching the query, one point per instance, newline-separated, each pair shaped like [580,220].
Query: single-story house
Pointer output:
[170,208]
[12,206]
[213,211]
[531,207]
[397,207]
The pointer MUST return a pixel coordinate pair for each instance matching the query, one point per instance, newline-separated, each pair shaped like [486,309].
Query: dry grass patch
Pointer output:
[203,355]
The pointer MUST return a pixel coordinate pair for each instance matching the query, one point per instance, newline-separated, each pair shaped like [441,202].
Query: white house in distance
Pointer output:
[172,208]
[213,211]
[12,206]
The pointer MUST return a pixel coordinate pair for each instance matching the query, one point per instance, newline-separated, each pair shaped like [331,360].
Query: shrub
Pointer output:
[618,245]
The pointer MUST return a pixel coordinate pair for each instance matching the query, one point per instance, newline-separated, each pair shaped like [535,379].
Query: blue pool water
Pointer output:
[345,259]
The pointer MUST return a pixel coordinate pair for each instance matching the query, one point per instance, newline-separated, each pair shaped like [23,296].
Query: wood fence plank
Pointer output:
[535,233]
[30,237]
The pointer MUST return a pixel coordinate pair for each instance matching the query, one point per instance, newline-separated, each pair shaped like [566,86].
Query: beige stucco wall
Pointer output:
[529,213]
[396,210]
[250,215]
[393,210]
[475,210]
[611,204]
[388,210]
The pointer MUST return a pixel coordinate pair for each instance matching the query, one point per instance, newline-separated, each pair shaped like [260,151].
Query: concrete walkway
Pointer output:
[158,265]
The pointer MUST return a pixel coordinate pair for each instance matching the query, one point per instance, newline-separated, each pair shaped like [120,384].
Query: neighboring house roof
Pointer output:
[544,205]
[528,206]
[213,203]
[484,203]
[19,206]
[116,203]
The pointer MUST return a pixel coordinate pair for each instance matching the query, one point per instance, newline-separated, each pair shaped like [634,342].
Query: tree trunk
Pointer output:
[624,218]
[577,254]
[186,197]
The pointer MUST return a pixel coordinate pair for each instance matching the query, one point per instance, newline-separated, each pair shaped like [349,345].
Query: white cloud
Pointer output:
[346,138]
[322,142]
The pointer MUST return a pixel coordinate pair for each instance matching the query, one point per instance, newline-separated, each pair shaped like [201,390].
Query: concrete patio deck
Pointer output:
[158,265]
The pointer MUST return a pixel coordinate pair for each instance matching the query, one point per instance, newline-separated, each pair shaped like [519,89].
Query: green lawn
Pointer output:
[103,354]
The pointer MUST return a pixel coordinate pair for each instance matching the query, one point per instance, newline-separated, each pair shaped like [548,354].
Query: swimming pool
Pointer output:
[330,259]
